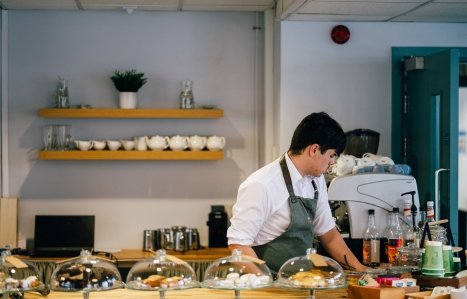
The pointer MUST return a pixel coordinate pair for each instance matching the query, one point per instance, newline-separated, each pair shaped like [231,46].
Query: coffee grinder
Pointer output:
[217,227]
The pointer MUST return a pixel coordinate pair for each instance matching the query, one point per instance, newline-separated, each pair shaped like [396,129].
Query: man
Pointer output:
[281,206]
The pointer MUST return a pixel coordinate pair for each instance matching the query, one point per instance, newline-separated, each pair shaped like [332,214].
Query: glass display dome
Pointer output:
[311,272]
[85,274]
[161,273]
[18,276]
[237,272]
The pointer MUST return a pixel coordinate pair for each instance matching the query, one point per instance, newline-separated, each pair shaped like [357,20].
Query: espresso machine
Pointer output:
[352,195]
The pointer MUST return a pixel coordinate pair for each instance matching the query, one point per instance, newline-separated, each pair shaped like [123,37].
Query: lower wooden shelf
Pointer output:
[130,155]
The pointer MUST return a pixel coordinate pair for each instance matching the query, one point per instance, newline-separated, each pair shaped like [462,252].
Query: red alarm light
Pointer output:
[340,34]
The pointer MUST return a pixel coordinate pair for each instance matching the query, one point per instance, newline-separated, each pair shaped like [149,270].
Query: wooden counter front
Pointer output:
[197,293]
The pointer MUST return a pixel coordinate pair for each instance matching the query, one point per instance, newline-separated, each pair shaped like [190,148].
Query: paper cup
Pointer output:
[433,257]
[448,261]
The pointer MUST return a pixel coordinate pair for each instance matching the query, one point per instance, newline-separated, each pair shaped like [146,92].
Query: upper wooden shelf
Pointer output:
[130,113]
[130,155]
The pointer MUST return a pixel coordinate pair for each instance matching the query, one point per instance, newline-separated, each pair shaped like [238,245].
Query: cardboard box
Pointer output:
[441,281]
[425,295]
[362,292]
[412,289]
[9,222]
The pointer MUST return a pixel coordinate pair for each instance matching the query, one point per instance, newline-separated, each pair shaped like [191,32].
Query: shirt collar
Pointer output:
[295,176]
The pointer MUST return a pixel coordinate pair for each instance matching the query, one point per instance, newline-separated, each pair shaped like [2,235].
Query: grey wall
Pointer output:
[352,82]
[216,50]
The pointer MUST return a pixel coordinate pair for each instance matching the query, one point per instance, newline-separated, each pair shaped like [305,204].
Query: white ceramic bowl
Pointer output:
[113,145]
[98,145]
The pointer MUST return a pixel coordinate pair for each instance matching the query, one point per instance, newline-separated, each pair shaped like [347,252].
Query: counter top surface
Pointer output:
[198,293]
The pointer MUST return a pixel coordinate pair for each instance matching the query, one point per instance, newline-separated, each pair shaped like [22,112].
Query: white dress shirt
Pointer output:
[262,211]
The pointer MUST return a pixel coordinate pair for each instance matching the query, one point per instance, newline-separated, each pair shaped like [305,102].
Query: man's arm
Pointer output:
[334,244]
[246,250]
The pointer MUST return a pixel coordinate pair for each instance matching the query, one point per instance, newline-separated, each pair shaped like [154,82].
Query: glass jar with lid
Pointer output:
[237,272]
[85,274]
[409,256]
[311,272]
[161,273]
[18,276]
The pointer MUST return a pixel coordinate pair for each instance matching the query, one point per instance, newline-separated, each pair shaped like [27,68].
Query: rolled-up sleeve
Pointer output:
[248,214]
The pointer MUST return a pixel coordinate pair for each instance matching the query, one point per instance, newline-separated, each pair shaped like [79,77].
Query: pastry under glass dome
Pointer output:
[161,273]
[311,272]
[237,272]
[18,276]
[85,274]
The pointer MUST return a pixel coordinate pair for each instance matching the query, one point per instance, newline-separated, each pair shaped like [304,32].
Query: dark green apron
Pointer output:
[298,236]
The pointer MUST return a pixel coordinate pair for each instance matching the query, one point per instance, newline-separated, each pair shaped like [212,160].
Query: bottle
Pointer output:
[395,237]
[430,212]
[422,219]
[384,239]
[407,204]
[371,242]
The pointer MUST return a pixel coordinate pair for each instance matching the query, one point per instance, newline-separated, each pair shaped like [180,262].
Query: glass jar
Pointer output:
[438,233]
[302,273]
[409,256]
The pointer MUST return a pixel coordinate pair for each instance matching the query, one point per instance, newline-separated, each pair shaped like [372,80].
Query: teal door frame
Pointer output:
[399,54]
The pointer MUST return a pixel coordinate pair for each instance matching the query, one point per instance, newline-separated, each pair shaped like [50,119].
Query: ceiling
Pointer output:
[287,10]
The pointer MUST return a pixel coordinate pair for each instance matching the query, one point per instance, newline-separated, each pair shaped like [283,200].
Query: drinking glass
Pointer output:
[59,137]
[48,137]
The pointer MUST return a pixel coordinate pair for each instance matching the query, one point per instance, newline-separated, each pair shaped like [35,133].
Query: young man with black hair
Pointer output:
[282,206]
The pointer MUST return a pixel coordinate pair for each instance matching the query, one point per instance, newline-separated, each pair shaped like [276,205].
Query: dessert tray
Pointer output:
[18,276]
[311,272]
[236,273]
[85,274]
[161,273]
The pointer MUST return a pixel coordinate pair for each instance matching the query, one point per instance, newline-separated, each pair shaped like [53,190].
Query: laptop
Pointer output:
[63,235]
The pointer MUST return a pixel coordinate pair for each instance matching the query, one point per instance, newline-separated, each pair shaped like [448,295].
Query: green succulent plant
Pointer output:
[128,81]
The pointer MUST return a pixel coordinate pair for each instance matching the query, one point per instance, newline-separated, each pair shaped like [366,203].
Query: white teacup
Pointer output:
[345,165]
[215,143]
[197,143]
[128,145]
[179,143]
[385,161]
[157,143]
[113,145]
[98,145]
[366,161]
[83,145]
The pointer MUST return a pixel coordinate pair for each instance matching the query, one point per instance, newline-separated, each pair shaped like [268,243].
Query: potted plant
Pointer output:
[128,83]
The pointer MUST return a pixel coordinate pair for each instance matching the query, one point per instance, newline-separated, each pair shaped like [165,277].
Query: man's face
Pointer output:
[321,162]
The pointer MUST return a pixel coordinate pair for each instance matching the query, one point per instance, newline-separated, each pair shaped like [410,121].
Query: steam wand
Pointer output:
[413,208]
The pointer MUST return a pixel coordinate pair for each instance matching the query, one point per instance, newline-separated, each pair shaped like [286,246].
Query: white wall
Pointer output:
[352,82]
[215,49]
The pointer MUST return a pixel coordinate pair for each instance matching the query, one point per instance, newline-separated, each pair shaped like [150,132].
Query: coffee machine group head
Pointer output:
[217,227]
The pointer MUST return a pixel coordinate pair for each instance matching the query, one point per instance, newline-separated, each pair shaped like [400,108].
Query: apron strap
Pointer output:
[288,180]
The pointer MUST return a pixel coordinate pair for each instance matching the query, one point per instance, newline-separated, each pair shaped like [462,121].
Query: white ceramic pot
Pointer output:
[215,143]
[197,143]
[157,143]
[128,100]
[179,143]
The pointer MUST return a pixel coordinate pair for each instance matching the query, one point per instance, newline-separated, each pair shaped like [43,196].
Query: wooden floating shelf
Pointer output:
[130,155]
[130,113]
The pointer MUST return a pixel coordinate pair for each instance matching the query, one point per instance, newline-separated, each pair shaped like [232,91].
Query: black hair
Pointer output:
[318,128]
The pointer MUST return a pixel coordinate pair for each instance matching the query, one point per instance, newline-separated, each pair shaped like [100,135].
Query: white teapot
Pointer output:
[83,145]
[197,143]
[179,143]
[215,143]
[140,144]
[157,143]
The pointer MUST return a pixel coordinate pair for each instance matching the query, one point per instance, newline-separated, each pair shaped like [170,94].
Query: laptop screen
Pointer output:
[67,231]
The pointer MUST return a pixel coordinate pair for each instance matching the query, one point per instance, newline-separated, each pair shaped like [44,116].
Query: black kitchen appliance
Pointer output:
[361,141]
[217,227]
